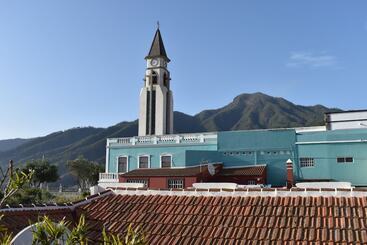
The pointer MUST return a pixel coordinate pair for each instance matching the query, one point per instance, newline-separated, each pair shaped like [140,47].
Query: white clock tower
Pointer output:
[156,102]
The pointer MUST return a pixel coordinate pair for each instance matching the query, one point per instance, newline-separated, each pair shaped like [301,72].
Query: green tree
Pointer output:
[29,195]
[85,171]
[43,171]
[10,183]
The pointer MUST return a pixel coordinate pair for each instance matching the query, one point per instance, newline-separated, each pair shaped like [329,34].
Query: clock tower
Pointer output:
[156,102]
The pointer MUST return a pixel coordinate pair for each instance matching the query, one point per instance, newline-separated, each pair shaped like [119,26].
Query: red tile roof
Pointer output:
[244,171]
[17,220]
[224,218]
[207,220]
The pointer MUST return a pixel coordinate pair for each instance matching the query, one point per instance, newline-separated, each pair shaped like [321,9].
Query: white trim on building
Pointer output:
[144,155]
[127,163]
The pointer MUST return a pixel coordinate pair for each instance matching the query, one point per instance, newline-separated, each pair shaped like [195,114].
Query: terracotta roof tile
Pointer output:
[218,219]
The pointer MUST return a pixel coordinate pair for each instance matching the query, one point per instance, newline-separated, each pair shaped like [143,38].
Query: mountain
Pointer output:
[259,111]
[6,145]
[246,111]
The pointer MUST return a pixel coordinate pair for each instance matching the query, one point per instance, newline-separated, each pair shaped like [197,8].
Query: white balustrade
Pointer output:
[164,139]
[108,177]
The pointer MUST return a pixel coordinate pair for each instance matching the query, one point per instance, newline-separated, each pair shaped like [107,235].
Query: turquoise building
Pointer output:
[334,152]
[326,155]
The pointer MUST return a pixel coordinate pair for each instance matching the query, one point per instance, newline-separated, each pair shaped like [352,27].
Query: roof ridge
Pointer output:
[56,206]
[245,192]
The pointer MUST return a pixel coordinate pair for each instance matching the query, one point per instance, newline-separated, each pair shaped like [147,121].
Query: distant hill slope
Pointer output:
[6,145]
[246,111]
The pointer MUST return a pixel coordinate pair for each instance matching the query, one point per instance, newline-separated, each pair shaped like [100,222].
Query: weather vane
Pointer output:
[157,24]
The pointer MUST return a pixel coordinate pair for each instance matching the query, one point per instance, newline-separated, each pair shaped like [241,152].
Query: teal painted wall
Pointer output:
[270,147]
[195,157]
[325,155]
[178,154]
[256,139]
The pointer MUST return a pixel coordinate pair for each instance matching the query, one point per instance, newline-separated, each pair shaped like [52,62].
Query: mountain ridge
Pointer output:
[246,111]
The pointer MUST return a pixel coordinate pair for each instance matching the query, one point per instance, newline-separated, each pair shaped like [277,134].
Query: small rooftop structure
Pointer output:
[346,119]
[330,185]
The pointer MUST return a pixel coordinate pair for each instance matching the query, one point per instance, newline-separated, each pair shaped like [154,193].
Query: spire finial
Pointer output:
[158,25]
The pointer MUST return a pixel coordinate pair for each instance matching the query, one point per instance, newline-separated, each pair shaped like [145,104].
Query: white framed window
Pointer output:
[344,160]
[307,162]
[122,164]
[144,161]
[251,182]
[175,183]
[166,161]
[139,181]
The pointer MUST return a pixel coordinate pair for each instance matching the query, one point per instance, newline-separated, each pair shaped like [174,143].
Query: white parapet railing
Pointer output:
[198,138]
[108,177]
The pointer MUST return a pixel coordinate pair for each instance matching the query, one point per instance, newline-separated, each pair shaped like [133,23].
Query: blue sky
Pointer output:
[74,63]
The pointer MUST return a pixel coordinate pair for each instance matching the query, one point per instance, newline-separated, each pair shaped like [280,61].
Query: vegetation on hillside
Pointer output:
[86,172]
[246,111]
[43,171]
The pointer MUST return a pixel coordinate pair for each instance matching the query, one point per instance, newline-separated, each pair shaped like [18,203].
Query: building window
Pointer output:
[139,181]
[307,162]
[251,182]
[154,77]
[175,183]
[166,161]
[122,164]
[344,160]
[143,161]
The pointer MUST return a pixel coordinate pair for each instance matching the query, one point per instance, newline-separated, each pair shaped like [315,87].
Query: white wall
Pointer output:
[347,120]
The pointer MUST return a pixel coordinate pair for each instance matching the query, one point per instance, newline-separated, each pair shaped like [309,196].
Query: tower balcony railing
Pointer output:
[108,177]
[198,138]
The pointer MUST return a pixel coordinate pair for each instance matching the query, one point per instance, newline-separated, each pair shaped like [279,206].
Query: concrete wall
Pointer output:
[325,148]
[270,147]
[346,120]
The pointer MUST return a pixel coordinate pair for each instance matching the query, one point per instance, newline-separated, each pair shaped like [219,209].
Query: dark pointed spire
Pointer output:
[157,49]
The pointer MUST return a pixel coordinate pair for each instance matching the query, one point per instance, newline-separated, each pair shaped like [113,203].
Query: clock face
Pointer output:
[154,62]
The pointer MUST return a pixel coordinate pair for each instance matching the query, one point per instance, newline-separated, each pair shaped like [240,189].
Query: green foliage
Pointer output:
[67,198]
[15,180]
[79,233]
[86,172]
[111,239]
[246,111]
[5,236]
[43,171]
[132,237]
[28,195]
[46,232]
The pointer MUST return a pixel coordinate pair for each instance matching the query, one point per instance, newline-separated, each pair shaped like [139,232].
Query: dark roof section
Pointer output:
[17,218]
[244,171]
[168,172]
[157,49]
[347,111]
[15,221]
[167,219]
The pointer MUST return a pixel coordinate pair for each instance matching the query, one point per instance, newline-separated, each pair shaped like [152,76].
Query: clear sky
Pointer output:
[74,63]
